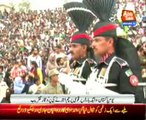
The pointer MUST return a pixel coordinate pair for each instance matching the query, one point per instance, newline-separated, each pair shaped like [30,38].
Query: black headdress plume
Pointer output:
[80,15]
[101,8]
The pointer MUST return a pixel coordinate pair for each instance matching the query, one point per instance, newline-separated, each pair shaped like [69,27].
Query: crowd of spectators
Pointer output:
[34,46]
[31,45]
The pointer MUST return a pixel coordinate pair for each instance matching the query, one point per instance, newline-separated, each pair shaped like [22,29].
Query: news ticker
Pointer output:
[43,111]
[71,99]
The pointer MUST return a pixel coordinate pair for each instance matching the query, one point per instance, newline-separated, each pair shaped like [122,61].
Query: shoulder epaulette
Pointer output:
[121,62]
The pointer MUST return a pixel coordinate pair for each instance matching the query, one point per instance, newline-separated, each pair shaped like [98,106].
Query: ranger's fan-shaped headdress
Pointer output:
[82,18]
[124,48]
[101,8]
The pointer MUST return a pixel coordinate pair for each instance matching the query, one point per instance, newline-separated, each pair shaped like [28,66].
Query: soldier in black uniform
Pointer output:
[82,53]
[119,63]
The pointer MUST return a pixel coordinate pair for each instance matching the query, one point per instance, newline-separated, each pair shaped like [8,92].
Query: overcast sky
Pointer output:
[39,4]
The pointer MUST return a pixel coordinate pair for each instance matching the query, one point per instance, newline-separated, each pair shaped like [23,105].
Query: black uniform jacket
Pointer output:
[120,75]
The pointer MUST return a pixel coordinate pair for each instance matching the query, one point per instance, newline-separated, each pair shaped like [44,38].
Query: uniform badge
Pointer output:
[76,71]
[102,72]
[128,72]
[134,81]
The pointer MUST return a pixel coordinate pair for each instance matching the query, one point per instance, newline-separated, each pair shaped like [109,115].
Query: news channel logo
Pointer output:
[132,24]
[128,18]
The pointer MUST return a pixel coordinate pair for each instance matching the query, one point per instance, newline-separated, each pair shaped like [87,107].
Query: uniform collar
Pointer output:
[79,62]
[82,60]
[106,59]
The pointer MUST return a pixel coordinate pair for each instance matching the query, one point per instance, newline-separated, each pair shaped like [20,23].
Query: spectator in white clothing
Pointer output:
[37,87]
[59,53]
[34,57]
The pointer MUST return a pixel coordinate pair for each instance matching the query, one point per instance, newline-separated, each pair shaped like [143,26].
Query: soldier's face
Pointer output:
[76,51]
[100,46]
